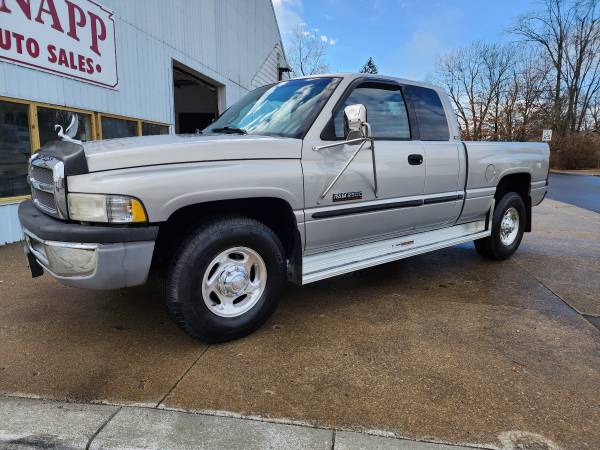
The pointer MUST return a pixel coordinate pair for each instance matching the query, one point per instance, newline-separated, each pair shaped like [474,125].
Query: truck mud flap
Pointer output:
[34,266]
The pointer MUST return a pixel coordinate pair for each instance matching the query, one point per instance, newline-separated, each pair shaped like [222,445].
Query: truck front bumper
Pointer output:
[93,257]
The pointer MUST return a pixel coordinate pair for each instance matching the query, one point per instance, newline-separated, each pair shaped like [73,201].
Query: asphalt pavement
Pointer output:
[578,190]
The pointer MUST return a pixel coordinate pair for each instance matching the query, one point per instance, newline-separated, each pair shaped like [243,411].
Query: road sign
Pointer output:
[546,135]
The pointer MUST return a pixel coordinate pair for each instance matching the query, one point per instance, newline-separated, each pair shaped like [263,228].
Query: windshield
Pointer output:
[285,109]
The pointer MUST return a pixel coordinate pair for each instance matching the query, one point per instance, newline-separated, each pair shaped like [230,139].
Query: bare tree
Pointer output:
[548,28]
[568,33]
[500,92]
[523,101]
[592,119]
[473,77]
[549,78]
[533,104]
[306,52]
[582,77]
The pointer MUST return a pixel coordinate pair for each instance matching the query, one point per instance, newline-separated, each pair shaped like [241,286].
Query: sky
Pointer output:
[404,37]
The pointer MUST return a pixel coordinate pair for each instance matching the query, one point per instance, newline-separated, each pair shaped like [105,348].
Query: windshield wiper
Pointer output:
[231,130]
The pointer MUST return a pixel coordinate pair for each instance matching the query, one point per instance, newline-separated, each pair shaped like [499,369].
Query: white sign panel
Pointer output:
[546,135]
[72,38]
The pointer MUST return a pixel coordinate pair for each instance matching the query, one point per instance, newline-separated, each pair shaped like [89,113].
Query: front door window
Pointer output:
[386,111]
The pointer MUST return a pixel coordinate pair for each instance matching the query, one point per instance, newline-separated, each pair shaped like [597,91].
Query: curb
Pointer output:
[588,172]
[33,423]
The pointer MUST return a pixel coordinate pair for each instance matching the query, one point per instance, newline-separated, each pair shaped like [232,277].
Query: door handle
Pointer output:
[415,160]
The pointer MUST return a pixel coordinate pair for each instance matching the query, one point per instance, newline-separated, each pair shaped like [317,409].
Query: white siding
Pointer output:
[225,40]
[10,228]
[264,75]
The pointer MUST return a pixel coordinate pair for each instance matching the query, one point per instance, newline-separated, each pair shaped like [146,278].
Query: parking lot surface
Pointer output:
[447,347]
[578,190]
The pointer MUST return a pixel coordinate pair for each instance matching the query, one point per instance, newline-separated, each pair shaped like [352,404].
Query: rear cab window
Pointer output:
[429,113]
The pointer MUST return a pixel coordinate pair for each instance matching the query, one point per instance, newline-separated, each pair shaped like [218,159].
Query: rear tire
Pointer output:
[224,280]
[508,226]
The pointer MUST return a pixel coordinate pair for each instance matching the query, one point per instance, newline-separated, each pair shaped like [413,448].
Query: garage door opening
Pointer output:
[196,101]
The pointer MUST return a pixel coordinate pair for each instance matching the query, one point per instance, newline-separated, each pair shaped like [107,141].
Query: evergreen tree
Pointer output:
[369,67]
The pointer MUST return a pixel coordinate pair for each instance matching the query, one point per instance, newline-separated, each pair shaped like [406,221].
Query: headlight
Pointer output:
[106,208]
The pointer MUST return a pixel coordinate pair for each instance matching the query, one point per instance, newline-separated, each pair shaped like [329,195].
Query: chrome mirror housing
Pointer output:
[355,122]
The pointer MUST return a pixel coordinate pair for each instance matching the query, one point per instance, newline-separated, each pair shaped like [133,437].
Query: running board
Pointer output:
[337,262]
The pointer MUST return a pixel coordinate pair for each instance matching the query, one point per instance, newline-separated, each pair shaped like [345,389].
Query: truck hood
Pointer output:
[173,149]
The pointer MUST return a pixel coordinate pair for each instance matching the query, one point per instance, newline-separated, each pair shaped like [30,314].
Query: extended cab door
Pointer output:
[351,214]
[444,157]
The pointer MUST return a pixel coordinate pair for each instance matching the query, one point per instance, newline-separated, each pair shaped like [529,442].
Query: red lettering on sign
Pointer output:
[5,41]
[52,54]
[19,41]
[89,26]
[73,9]
[53,14]
[3,7]
[25,7]
[33,48]
[62,58]
[96,36]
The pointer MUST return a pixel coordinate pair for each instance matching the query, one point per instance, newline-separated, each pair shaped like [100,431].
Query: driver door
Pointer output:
[351,214]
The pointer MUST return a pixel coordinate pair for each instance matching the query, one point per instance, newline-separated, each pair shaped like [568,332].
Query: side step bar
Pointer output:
[337,262]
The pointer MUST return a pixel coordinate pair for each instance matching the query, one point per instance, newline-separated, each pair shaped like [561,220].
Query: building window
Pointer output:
[15,149]
[48,118]
[25,126]
[154,128]
[118,128]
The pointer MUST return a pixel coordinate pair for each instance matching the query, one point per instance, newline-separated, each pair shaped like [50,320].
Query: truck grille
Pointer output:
[45,200]
[42,175]
[48,195]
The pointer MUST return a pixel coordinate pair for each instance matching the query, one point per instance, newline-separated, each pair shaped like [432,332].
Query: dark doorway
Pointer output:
[196,101]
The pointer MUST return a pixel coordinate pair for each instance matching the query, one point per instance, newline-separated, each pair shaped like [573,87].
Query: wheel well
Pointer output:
[275,213]
[521,184]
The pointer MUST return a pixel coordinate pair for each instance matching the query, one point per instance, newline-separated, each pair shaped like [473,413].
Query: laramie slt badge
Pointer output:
[345,196]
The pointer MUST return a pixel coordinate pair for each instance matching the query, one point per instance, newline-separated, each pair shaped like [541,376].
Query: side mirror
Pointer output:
[355,122]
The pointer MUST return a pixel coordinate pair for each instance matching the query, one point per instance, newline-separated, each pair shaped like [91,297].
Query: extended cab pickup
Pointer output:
[302,180]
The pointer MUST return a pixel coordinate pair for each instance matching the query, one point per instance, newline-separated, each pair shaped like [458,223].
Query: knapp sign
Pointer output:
[73,38]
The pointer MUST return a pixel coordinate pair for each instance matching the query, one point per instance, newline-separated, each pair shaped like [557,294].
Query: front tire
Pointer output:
[224,280]
[508,226]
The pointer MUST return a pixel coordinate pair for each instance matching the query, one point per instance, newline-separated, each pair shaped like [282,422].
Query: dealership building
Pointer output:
[124,68]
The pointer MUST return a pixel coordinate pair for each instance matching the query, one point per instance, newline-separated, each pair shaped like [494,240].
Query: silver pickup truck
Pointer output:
[302,180]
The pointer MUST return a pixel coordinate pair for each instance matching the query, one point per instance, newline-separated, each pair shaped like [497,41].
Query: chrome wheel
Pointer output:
[234,282]
[509,226]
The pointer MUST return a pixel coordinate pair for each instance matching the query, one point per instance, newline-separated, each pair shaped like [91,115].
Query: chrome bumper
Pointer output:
[92,266]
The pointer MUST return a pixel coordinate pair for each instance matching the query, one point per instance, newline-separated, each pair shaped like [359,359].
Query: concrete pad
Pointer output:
[442,347]
[594,321]
[406,361]
[454,274]
[564,253]
[359,441]
[28,423]
[152,429]
[88,346]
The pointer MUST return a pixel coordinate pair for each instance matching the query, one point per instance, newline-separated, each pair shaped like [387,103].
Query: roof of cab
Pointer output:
[374,77]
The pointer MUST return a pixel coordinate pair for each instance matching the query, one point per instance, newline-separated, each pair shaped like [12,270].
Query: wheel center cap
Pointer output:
[233,280]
